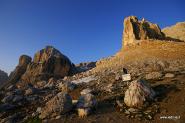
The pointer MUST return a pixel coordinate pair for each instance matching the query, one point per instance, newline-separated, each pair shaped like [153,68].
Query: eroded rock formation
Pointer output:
[48,62]
[15,76]
[139,30]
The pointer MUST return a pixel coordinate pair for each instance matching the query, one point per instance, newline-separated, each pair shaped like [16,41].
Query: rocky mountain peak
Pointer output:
[24,60]
[140,30]
[45,54]
[47,62]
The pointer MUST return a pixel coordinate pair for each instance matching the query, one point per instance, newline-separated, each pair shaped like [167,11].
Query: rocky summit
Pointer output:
[143,82]
[140,30]
[47,63]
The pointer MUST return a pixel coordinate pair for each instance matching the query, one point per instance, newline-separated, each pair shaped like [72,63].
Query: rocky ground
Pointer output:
[108,87]
[50,88]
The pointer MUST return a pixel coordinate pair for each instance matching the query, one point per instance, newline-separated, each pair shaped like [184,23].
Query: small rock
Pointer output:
[147,111]
[119,103]
[11,87]
[120,109]
[65,78]
[51,83]
[127,112]
[169,75]
[41,84]
[86,91]
[138,115]
[18,92]
[58,117]
[74,102]
[109,87]
[33,114]
[133,110]
[38,110]
[150,117]
[153,75]
[31,91]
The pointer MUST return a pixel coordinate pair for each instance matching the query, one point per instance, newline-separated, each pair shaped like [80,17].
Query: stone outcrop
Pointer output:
[15,76]
[3,76]
[139,30]
[47,63]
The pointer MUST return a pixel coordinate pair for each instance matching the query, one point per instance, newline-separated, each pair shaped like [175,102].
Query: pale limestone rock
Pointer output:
[137,93]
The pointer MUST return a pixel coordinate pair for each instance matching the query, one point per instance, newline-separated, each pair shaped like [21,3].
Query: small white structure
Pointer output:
[126,77]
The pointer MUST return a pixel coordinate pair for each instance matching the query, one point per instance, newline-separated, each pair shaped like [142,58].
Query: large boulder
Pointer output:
[60,104]
[138,92]
[140,30]
[47,63]
[20,69]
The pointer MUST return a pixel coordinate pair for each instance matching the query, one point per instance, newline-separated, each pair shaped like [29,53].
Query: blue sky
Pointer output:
[83,30]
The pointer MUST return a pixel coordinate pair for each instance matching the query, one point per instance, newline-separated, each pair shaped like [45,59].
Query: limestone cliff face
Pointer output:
[140,30]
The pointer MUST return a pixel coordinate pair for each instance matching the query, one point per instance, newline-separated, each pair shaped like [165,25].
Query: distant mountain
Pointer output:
[176,31]
[3,76]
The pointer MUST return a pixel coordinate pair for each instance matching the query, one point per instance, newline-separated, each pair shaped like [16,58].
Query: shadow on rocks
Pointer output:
[163,90]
